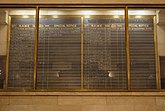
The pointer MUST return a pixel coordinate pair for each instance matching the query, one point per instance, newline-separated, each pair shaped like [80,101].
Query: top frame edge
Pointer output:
[78,5]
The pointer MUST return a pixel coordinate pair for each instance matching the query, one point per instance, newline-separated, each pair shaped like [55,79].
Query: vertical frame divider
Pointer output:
[8,51]
[36,45]
[82,53]
[127,49]
[156,57]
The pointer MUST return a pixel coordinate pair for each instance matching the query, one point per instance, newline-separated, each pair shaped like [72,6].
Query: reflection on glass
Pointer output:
[104,52]
[161,44]
[142,49]
[21,50]
[59,52]
[3,46]
[59,48]
[81,11]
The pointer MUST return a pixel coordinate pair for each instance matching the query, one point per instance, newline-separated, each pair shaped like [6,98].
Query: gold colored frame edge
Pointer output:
[60,16]
[8,52]
[82,53]
[83,5]
[78,90]
[127,49]
[36,46]
[158,82]
[20,16]
[137,89]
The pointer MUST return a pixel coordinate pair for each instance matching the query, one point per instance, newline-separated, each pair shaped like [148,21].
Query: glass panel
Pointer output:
[162,71]
[2,70]
[161,43]
[142,49]
[21,53]
[58,50]
[104,50]
[3,45]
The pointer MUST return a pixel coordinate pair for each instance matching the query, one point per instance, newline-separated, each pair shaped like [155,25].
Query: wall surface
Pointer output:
[87,1]
[161,40]
[82,103]
[3,39]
